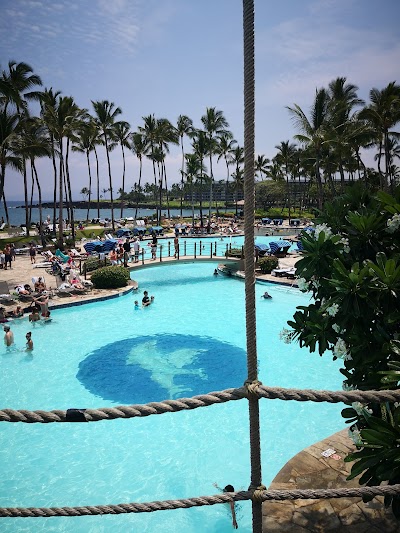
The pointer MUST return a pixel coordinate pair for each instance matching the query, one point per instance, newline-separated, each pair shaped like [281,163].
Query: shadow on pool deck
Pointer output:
[310,470]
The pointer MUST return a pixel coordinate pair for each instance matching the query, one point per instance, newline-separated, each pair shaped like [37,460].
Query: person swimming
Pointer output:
[266,295]
[137,305]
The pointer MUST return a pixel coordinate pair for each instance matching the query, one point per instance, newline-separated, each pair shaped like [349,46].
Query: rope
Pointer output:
[149,507]
[173,406]
[250,279]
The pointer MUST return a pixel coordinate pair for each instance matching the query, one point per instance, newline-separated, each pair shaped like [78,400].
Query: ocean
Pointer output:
[17,213]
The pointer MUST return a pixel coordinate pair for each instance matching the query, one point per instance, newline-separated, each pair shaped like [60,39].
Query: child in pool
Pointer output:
[136,305]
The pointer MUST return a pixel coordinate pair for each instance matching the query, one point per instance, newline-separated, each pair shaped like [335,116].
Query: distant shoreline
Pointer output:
[92,205]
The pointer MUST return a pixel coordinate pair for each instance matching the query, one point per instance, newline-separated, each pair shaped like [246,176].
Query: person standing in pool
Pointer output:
[146,300]
[29,341]
[8,336]
[43,302]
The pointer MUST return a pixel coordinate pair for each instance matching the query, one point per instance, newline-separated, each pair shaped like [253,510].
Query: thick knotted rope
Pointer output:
[149,507]
[186,404]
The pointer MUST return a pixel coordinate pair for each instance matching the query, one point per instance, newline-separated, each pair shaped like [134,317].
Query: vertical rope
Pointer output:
[249,205]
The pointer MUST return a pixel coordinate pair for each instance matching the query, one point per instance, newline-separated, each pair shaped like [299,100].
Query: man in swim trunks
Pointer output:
[8,336]
[43,303]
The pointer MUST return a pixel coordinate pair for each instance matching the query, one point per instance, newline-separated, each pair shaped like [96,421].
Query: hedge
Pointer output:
[110,277]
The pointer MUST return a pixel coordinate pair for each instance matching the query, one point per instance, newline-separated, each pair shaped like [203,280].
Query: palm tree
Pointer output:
[225,148]
[215,125]
[139,149]
[34,143]
[192,173]
[342,100]
[286,156]
[237,175]
[184,127]
[165,134]
[8,156]
[84,144]
[261,165]
[14,85]
[15,82]
[149,132]
[200,145]
[383,113]
[238,183]
[106,112]
[48,100]
[60,120]
[313,131]
[121,135]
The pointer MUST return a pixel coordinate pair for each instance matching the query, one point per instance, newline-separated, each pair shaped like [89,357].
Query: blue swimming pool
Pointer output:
[190,341]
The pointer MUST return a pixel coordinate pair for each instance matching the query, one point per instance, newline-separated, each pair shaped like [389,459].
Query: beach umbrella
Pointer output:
[90,247]
[109,245]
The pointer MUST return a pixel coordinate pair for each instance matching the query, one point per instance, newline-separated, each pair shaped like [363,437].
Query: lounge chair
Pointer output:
[64,258]
[5,295]
[291,274]
[282,272]
[280,248]
[65,289]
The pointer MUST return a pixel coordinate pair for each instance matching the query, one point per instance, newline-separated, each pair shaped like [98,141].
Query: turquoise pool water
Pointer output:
[191,341]
[205,245]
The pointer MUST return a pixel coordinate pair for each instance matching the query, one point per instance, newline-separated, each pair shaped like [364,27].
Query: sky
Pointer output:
[173,57]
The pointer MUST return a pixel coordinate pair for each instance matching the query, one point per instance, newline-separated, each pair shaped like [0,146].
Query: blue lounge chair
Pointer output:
[280,248]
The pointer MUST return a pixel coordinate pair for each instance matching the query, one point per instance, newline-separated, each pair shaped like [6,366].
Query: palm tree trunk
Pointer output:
[39,197]
[182,176]
[166,189]
[26,197]
[31,200]
[71,215]
[53,157]
[6,209]
[98,183]
[211,187]
[123,181]
[110,181]
[319,183]
[140,179]
[60,202]
[90,184]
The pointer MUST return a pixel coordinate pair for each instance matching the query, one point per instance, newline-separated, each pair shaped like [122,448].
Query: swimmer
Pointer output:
[8,336]
[29,341]
[137,305]
[266,295]
[151,299]
[230,488]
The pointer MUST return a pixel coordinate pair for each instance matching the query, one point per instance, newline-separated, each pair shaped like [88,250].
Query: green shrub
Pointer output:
[110,277]
[93,263]
[267,264]
[234,252]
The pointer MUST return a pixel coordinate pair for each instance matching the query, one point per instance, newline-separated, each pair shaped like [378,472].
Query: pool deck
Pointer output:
[310,470]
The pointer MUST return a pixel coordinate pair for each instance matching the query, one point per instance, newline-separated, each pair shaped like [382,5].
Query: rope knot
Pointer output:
[252,386]
[258,493]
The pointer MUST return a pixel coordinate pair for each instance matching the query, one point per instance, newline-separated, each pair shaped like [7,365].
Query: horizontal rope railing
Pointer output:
[182,404]
[149,507]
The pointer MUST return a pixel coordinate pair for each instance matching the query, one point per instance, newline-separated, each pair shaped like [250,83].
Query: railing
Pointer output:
[249,391]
